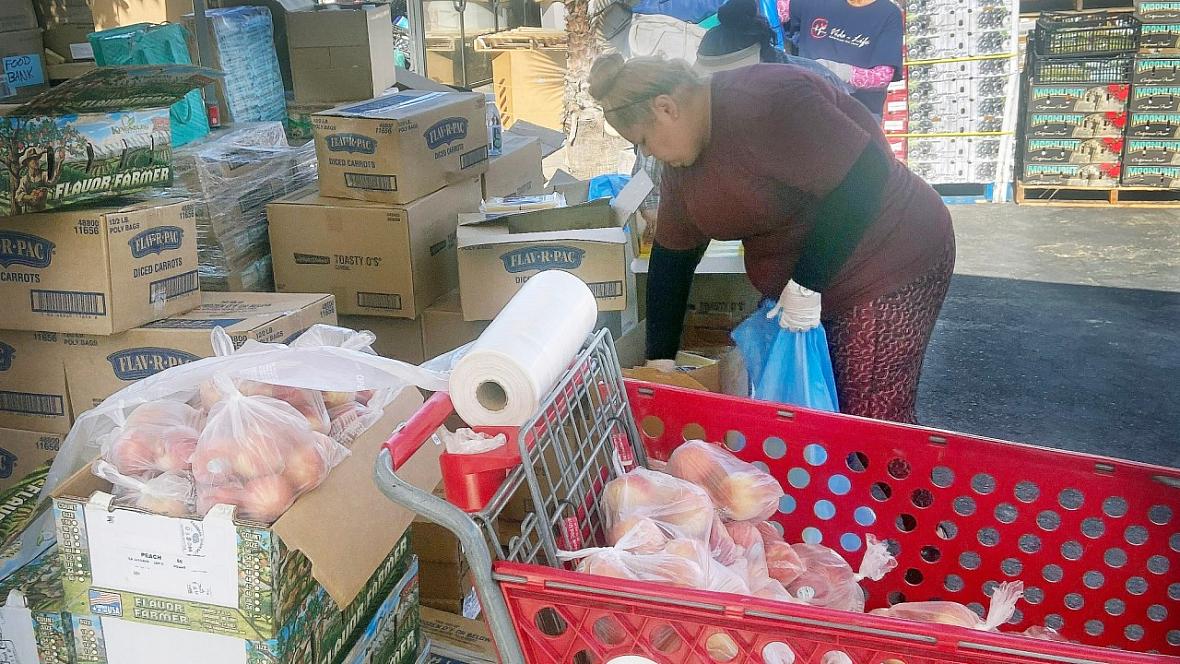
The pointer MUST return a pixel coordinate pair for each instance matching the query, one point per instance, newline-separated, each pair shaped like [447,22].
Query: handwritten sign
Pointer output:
[21,71]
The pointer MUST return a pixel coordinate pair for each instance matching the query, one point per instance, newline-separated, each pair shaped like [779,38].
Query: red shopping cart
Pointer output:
[1095,540]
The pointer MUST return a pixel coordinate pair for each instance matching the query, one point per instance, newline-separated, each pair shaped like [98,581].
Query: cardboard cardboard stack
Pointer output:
[340,53]
[22,63]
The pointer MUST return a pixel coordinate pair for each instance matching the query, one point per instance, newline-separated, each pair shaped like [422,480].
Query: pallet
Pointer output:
[526,39]
[1128,197]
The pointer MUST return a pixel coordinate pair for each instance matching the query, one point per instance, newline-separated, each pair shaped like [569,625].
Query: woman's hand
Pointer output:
[798,308]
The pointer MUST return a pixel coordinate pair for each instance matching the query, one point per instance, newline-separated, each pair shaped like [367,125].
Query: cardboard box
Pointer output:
[1148,152]
[397,338]
[383,619]
[1155,98]
[35,627]
[1160,11]
[33,393]
[106,133]
[1156,71]
[70,41]
[1164,177]
[517,170]
[588,240]
[692,371]
[1075,125]
[1079,98]
[1072,175]
[454,638]
[377,259]
[99,271]
[116,13]
[401,147]
[340,53]
[57,12]
[1072,150]
[1154,125]
[443,326]
[445,581]
[242,41]
[1159,37]
[25,457]
[99,366]
[22,64]
[17,15]
[530,85]
[245,580]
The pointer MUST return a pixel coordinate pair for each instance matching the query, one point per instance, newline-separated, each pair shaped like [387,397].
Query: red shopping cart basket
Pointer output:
[1096,541]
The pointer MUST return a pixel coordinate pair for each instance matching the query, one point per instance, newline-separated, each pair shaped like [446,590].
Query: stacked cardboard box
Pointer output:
[395,173]
[22,63]
[234,174]
[244,48]
[1153,128]
[340,53]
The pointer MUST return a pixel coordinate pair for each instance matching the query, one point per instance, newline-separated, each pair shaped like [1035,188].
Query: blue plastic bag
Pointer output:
[606,186]
[785,366]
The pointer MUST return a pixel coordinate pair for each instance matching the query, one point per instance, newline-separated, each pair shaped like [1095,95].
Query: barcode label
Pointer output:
[476,156]
[370,182]
[166,289]
[389,301]
[68,302]
[32,404]
[604,289]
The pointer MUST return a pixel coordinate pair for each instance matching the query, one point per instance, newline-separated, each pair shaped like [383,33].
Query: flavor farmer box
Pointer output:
[34,627]
[384,615]
[104,133]
[223,576]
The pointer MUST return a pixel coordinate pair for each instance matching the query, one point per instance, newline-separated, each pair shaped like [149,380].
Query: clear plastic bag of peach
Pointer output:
[326,386]
[740,490]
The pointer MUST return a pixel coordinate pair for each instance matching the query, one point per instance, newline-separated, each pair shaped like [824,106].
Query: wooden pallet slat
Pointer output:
[1132,197]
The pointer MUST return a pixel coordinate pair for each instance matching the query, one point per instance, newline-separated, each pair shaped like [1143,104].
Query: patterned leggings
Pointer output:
[877,347]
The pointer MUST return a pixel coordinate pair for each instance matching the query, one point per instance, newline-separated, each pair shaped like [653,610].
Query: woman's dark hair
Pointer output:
[741,26]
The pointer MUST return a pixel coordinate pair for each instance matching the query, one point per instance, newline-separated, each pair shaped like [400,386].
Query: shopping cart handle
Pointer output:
[421,426]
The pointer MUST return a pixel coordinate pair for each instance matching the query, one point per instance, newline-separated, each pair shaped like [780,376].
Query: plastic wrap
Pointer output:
[740,490]
[660,567]
[678,507]
[1000,611]
[828,580]
[507,372]
[244,48]
[235,173]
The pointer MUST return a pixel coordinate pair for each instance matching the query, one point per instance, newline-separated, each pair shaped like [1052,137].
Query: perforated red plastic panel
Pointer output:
[1096,542]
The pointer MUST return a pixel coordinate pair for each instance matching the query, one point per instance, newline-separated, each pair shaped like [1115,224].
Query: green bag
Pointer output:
[148,44]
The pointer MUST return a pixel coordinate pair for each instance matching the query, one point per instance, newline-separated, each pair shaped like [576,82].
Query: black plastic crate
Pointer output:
[1109,69]
[1096,33]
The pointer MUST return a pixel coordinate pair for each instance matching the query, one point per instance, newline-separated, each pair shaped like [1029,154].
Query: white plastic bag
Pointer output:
[466,441]
[169,494]
[740,490]
[677,506]
[1000,611]
[828,580]
[156,437]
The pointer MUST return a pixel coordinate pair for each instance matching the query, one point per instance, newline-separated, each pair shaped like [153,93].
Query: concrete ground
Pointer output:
[1062,328]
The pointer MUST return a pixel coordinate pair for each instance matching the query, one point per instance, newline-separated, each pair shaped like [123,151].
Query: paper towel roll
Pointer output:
[519,358]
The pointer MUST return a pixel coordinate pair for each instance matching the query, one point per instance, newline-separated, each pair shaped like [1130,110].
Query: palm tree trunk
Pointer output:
[591,148]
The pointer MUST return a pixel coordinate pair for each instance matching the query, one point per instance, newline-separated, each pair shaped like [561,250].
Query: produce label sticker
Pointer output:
[22,71]
[181,559]
[18,643]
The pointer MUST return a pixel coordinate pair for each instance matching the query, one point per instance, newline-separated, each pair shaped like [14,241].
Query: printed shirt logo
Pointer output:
[352,143]
[18,248]
[445,132]
[6,354]
[139,363]
[7,463]
[156,241]
[551,257]
[821,29]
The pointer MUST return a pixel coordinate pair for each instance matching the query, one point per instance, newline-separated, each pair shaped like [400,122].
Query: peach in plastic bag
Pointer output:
[828,580]
[740,490]
[676,505]
[157,437]
[1003,605]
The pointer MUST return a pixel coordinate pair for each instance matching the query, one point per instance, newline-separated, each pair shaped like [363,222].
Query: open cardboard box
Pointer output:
[228,576]
[589,239]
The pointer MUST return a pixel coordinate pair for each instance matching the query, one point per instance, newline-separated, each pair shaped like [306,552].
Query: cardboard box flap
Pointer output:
[395,106]
[475,230]
[344,552]
[404,79]
[551,139]
[574,218]
[109,89]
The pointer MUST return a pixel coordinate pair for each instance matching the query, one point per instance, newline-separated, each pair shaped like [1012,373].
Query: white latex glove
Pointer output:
[841,70]
[798,308]
[667,366]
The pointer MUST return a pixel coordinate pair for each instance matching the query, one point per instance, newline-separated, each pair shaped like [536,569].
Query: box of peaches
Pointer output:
[199,497]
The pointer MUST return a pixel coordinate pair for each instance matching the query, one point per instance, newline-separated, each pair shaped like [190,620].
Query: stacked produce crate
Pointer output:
[1079,71]
[1153,134]
[960,60]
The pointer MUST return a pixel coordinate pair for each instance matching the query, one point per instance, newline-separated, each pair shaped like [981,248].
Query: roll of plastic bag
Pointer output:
[511,368]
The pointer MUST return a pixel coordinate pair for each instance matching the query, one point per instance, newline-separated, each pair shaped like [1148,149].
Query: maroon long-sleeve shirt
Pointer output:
[782,139]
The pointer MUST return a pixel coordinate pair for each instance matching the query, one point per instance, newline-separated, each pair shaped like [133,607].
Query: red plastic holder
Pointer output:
[1095,540]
